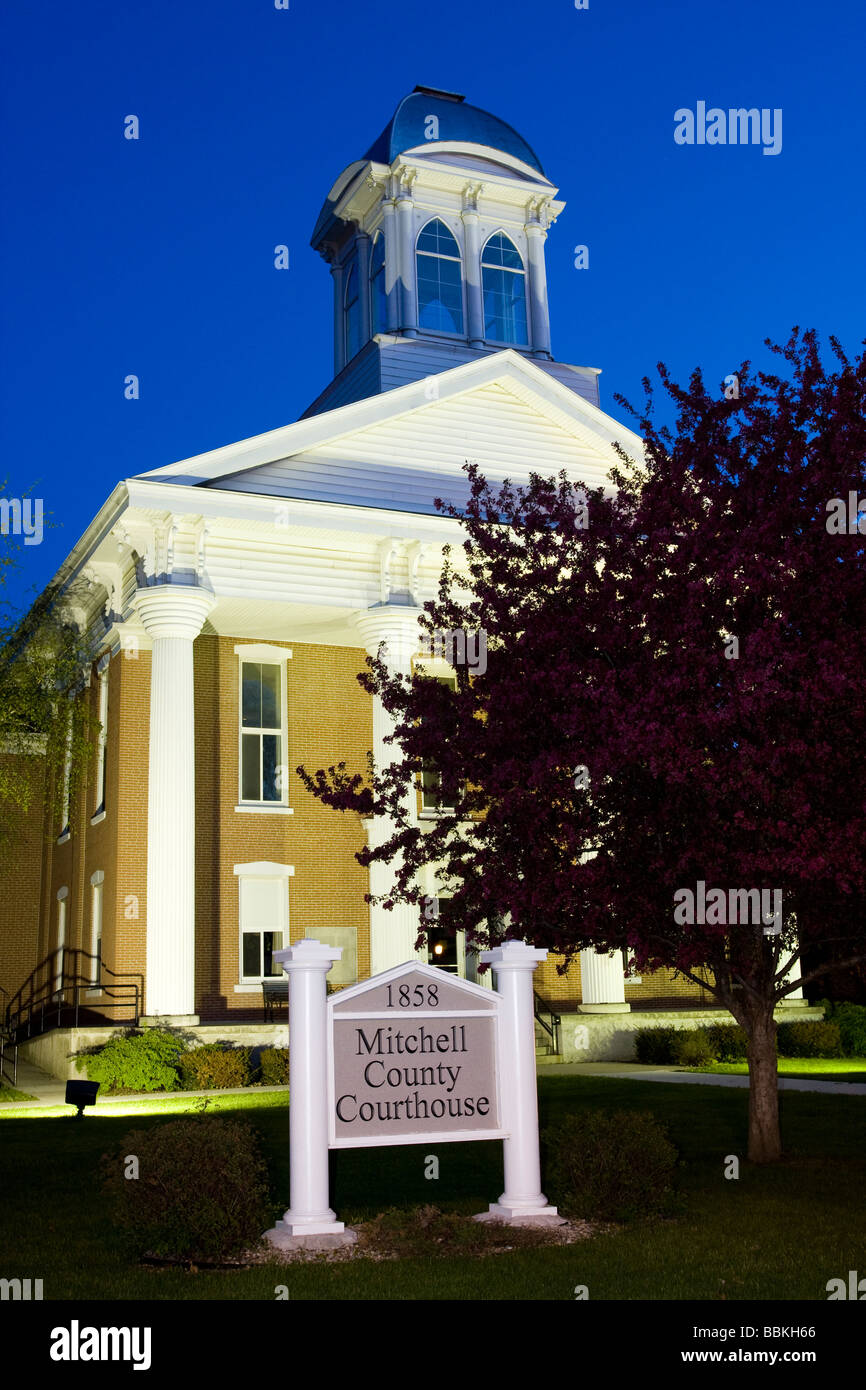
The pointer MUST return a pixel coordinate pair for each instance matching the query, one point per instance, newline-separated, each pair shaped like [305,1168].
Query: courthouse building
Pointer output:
[232,599]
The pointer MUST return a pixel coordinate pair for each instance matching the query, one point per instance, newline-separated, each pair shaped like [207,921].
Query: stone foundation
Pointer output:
[610,1037]
[55,1052]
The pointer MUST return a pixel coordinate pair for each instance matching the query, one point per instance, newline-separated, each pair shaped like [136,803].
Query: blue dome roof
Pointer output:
[457,121]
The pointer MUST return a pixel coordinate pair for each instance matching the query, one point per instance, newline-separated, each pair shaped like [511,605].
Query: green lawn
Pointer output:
[776,1233]
[805,1068]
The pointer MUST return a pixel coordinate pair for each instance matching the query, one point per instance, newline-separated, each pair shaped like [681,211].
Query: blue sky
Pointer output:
[156,256]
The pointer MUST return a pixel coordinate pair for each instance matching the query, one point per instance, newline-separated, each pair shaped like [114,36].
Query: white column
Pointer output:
[309,1214]
[339,331]
[392,934]
[796,998]
[523,1200]
[392,263]
[406,234]
[538,310]
[362,242]
[602,983]
[173,615]
[472,270]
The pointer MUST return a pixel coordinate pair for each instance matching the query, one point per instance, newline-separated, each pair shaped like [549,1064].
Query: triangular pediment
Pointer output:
[403,448]
[388,993]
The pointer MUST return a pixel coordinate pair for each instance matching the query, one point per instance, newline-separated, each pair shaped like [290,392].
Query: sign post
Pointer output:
[309,1219]
[523,1200]
[411,1056]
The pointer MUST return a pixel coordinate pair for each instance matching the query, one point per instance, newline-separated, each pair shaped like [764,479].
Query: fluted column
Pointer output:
[795,999]
[362,243]
[602,983]
[339,331]
[392,263]
[392,934]
[539,312]
[406,235]
[474,302]
[173,615]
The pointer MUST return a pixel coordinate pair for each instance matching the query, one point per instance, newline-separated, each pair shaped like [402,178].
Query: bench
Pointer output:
[274,994]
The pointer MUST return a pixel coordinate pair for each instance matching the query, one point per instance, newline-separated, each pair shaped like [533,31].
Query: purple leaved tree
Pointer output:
[665,752]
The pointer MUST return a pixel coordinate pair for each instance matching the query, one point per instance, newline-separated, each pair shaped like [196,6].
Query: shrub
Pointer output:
[215,1066]
[609,1164]
[274,1066]
[217,1216]
[728,1042]
[693,1048]
[143,1061]
[809,1039]
[851,1022]
[656,1045]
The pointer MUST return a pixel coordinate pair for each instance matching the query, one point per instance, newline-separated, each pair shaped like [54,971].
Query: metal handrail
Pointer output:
[540,1008]
[123,989]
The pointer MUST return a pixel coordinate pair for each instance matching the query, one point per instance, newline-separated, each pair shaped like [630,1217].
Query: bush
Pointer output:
[215,1066]
[215,1217]
[609,1164]
[274,1066]
[851,1022]
[693,1048]
[809,1039]
[728,1042]
[656,1045]
[144,1061]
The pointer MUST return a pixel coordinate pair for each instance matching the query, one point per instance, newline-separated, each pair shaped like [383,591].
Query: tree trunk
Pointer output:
[765,1139]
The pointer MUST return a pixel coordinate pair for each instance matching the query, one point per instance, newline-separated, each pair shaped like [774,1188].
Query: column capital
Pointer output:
[394,624]
[174,610]
[308,955]
[514,955]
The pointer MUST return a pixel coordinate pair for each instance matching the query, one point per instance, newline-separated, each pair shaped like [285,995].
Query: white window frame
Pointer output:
[459,941]
[263,653]
[62,895]
[451,334]
[524,257]
[99,809]
[97,895]
[65,828]
[267,870]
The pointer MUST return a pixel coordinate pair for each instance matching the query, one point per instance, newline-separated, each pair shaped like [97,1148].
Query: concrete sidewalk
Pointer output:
[638,1071]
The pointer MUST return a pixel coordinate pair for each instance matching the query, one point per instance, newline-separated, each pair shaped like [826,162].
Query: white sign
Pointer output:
[413,1056]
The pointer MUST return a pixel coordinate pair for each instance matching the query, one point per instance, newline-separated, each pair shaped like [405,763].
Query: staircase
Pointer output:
[547,1024]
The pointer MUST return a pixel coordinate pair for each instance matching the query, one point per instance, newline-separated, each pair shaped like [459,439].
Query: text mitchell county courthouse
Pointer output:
[233,597]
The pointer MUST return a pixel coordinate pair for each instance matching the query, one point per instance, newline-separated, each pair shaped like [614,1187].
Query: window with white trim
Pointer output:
[503,286]
[99,808]
[262,753]
[263,918]
[439,272]
[97,884]
[65,829]
[434,795]
[62,895]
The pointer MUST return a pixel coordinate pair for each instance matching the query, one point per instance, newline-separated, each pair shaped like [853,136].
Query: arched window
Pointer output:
[440,283]
[352,312]
[378,294]
[503,286]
